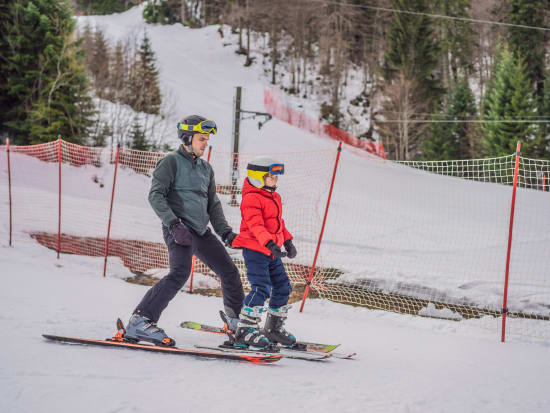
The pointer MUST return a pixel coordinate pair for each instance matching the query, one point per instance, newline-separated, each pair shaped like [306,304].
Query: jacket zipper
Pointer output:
[278,212]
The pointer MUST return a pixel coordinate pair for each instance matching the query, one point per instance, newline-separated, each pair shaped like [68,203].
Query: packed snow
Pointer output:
[380,213]
[404,363]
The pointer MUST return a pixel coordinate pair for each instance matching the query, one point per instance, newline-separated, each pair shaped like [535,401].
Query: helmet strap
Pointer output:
[189,148]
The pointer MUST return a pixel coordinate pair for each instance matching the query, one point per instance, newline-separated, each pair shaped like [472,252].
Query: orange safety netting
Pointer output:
[274,106]
[422,238]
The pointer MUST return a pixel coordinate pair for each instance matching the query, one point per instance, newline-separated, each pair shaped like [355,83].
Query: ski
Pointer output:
[322,348]
[310,347]
[284,352]
[254,358]
[119,341]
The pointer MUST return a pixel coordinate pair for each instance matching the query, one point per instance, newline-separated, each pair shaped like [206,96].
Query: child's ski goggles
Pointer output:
[273,169]
[206,126]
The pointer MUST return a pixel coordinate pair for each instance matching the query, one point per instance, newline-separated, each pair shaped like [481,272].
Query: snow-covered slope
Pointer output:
[405,364]
[200,74]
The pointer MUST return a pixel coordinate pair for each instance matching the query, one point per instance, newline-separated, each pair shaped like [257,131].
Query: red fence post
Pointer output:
[59,160]
[311,271]
[9,183]
[111,211]
[505,297]
[192,272]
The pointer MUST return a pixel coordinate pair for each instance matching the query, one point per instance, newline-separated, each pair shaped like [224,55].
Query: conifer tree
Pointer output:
[46,88]
[456,40]
[529,43]
[86,38]
[451,139]
[412,48]
[510,97]
[439,145]
[137,137]
[462,107]
[99,64]
[5,99]
[118,73]
[545,115]
[102,6]
[143,85]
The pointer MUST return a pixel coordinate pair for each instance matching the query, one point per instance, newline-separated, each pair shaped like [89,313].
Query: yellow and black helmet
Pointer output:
[260,166]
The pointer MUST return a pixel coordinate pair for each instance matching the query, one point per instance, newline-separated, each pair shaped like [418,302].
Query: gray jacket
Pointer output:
[183,187]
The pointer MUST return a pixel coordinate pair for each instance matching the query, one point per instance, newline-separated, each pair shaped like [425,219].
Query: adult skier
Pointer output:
[183,195]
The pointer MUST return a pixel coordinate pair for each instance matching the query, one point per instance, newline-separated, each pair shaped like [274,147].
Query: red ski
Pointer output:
[119,341]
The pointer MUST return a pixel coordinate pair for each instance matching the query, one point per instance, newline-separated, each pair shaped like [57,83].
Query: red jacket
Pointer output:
[261,213]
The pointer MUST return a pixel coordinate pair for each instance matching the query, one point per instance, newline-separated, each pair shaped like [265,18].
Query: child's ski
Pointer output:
[322,348]
[286,353]
[310,347]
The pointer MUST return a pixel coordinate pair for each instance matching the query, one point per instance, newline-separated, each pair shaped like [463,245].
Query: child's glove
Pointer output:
[275,249]
[181,234]
[290,248]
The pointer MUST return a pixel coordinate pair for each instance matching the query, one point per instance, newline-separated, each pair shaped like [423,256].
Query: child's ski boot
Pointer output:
[274,329]
[141,328]
[248,330]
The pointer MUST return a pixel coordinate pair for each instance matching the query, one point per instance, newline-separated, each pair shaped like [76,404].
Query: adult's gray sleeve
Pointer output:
[215,210]
[163,179]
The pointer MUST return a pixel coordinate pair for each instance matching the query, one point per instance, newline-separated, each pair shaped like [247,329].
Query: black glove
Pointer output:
[290,248]
[275,249]
[181,234]
[228,238]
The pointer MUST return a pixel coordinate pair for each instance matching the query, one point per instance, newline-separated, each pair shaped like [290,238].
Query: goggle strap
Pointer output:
[257,168]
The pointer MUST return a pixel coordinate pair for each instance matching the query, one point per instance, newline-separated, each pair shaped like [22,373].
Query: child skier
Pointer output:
[263,232]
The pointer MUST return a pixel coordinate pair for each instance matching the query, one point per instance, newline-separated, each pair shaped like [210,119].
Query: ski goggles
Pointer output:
[273,169]
[206,126]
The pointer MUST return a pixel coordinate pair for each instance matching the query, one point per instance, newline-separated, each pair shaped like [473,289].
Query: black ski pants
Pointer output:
[209,250]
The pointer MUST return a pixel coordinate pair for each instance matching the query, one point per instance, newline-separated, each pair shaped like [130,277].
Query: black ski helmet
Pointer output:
[185,135]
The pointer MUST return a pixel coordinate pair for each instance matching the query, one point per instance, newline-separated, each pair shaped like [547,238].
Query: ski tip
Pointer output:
[322,348]
[191,324]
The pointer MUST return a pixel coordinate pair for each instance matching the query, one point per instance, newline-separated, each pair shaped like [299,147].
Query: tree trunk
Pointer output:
[274,53]
[248,62]
[240,34]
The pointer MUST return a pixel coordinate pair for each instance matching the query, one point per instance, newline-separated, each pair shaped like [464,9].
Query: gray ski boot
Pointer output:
[140,328]
[273,328]
[230,323]
[248,330]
